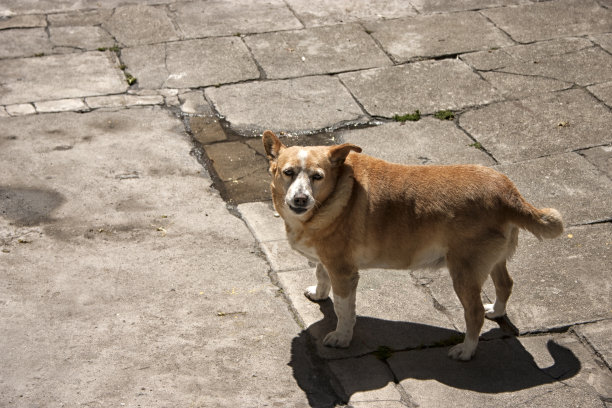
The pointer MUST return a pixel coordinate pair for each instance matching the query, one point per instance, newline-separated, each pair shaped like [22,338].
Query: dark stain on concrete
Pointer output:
[26,206]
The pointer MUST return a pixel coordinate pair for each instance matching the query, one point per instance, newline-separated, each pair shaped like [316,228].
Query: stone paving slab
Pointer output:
[488,60]
[545,20]
[193,102]
[316,51]
[24,43]
[235,152]
[83,37]
[196,63]
[562,281]
[604,40]
[558,59]
[445,6]
[530,53]
[538,51]
[428,141]
[603,92]
[148,64]
[366,379]
[261,221]
[435,35]
[140,24]
[219,18]
[243,172]
[23,21]
[80,18]
[20,109]
[392,311]
[502,373]
[206,129]
[191,63]
[598,336]
[517,86]
[282,257]
[321,12]
[293,284]
[600,157]
[570,67]
[60,76]
[567,182]
[62,105]
[538,126]
[12,7]
[114,101]
[294,105]
[593,377]
[426,86]
[102,307]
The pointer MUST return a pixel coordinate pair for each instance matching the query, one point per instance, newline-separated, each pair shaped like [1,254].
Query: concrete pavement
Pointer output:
[141,263]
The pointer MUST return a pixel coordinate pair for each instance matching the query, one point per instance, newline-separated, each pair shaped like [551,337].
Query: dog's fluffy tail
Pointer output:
[541,222]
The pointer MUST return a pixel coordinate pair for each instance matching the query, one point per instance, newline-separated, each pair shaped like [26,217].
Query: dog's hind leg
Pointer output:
[321,290]
[503,288]
[468,284]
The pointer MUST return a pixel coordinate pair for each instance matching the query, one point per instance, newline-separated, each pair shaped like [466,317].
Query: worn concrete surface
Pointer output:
[437,34]
[125,279]
[317,50]
[427,86]
[296,105]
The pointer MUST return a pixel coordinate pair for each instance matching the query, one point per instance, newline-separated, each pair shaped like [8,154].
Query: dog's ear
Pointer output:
[272,145]
[337,154]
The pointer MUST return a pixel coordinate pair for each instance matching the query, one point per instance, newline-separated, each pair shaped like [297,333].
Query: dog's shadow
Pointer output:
[501,364]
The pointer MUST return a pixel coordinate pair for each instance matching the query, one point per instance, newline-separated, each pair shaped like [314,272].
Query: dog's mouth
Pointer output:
[298,210]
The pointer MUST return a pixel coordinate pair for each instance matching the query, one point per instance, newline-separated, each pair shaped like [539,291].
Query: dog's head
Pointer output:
[303,177]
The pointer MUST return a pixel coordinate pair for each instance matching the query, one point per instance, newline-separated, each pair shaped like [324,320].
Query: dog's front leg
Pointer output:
[345,290]
[321,290]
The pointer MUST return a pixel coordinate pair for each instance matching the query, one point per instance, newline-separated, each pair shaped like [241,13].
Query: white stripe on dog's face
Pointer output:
[303,156]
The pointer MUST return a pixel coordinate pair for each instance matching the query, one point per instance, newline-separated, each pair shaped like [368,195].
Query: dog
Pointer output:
[347,211]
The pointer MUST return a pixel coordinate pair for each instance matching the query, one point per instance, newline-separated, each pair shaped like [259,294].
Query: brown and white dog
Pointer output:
[348,211]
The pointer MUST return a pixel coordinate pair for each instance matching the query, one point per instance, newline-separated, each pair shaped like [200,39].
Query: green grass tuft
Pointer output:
[130,79]
[413,117]
[444,115]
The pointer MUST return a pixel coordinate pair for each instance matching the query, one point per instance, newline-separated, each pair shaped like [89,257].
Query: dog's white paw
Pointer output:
[338,339]
[491,313]
[311,293]
[463,351]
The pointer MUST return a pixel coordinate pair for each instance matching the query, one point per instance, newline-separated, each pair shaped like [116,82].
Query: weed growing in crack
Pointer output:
[444,115]
[476,145]
[130,79]
[412,117]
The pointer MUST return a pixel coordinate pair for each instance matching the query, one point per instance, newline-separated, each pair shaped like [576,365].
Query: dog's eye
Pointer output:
[317,176]
[288,172]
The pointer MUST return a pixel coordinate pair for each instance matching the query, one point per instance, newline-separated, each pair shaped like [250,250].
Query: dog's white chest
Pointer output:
[306,250]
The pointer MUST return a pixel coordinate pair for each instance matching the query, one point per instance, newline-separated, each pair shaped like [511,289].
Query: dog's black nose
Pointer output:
[300,200]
